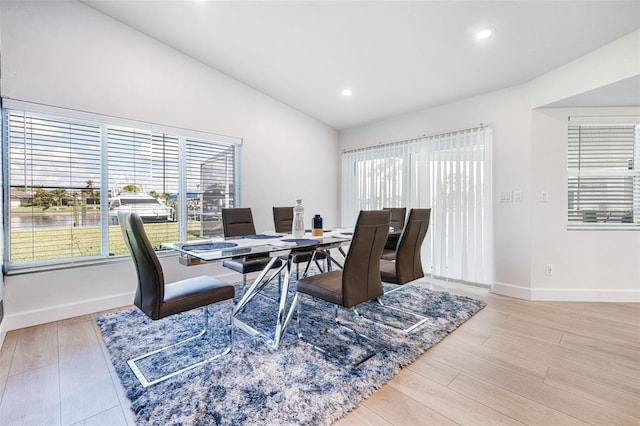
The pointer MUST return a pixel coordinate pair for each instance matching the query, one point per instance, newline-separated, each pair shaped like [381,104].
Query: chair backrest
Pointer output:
[398,216]
[408,259]
[283,219]
[150,291]
[361,274]
[237,222]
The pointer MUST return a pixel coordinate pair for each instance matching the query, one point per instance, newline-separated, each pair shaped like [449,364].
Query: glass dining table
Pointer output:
[277,247]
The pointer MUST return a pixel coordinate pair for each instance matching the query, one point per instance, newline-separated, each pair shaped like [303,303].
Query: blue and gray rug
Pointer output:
[297,384]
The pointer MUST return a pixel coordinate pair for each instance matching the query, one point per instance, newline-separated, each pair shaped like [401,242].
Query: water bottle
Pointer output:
[317,226]
[298,220]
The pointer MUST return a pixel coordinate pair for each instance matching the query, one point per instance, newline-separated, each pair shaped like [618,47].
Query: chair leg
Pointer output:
[393,289]
[145,381]
[362,340]
[421,318]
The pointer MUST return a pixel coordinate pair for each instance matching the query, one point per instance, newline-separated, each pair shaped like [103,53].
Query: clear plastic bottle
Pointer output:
[298,220]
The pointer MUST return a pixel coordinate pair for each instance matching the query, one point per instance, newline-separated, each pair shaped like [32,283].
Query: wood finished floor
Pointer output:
[515,362]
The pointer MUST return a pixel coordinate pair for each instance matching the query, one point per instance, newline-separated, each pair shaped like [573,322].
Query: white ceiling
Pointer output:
[396,56]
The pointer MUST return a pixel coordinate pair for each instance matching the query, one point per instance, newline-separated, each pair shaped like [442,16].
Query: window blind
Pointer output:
[211,174]
[451,174]
[142,162]
[54,163]
[603,180]
[67,177]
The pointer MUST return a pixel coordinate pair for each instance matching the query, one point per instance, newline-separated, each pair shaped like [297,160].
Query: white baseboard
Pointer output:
[585,295]
[567,294]
[511,290]
[3,332]
[60,312]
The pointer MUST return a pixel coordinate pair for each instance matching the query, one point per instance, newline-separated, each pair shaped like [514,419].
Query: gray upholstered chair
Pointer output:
[158,299]
[398,215]
[407,265]
[283,222]
[359,280]
[238,222]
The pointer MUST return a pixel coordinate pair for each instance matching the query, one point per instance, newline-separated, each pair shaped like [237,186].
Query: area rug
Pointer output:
[296,384]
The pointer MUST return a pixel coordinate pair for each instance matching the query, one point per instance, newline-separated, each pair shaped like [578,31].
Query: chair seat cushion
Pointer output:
[251,264]
[388,271]
[326,286]
[388,254]
[193,293]
[305,257]
[392,241]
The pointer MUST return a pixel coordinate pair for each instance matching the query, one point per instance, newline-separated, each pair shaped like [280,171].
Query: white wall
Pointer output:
[587,264]
[507,111]
[68,55]
[3,328]
[530,155]
[617,61]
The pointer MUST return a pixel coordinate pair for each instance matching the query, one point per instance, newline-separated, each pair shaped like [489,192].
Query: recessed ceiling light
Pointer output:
[485,33]
[346,92]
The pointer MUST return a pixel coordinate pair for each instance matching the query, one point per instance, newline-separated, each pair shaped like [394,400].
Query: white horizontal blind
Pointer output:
[144,162]
[603,179]
[211,179]
[451,174]
[51,162]
[63,176]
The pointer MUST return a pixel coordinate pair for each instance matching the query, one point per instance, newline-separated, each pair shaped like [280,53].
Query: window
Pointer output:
[603,178]
[451,174]
[67,179]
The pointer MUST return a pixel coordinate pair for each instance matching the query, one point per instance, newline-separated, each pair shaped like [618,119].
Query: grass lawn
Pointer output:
[41,244]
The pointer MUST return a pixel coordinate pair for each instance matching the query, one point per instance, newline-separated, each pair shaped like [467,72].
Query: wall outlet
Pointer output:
[548,269]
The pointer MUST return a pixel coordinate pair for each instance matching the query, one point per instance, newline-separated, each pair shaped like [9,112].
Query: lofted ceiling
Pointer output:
[395,56]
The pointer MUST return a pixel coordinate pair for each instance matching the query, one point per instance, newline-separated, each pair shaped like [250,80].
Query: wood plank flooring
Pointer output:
[516,362]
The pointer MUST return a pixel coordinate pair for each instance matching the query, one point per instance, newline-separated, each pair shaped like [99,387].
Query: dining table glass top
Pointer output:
[271,244]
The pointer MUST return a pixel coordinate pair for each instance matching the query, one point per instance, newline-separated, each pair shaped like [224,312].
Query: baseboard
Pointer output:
[567,294]
[585,295]
[60,312]
[3,332]
[511,290]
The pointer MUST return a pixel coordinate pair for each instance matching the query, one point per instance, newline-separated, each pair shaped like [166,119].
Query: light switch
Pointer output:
[544,196]
[517,196]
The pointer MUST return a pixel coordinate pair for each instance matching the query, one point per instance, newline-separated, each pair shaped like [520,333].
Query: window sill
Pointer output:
[604,227]
[31,269]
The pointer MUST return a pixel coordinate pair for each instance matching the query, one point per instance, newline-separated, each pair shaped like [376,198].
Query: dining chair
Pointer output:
[407,263]
[158,299]
[238,222]
[398,215]
[283,222]
[358,281]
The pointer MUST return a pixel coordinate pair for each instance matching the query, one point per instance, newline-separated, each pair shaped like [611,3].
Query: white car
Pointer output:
[150,209]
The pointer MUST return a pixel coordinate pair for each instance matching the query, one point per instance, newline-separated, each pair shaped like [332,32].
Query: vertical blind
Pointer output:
[603,179]
[449,173]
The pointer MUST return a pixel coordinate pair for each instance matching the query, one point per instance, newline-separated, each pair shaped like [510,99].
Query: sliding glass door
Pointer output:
[449,173]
